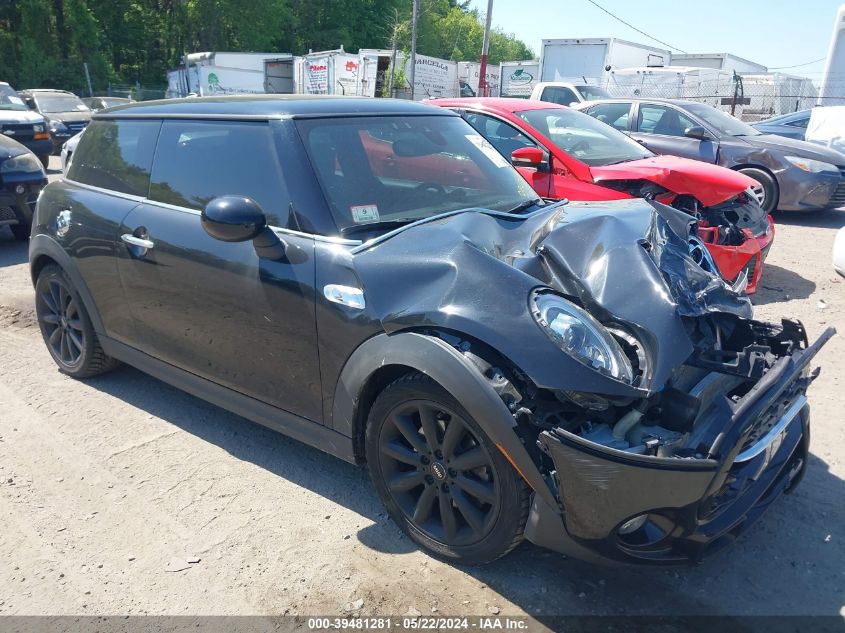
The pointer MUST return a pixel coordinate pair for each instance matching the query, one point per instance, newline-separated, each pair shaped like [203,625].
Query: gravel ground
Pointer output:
[122,495]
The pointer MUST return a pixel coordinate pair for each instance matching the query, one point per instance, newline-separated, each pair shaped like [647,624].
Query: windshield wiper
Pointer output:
[384,225]
[522,206]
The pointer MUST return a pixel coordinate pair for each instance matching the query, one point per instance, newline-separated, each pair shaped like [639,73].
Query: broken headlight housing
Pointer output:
[578,334]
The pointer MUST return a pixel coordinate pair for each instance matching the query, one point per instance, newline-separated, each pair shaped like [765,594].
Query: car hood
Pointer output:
[68,117]
[795,147]
[710,184]
[10,147]
[20,116]
[626,262]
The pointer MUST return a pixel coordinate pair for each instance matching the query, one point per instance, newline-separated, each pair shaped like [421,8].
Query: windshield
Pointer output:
[591,93]
[394,170]
[721,121]
[583,137]
[60,103]
[9,99]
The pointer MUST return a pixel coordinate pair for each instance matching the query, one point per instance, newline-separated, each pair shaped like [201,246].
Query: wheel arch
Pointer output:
[43,251]
[381,359]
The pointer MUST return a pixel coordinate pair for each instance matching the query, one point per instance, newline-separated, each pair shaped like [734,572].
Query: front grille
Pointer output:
[838,197]
[749,270]
[764,252]
[7,214]
[77,126]
[18,131]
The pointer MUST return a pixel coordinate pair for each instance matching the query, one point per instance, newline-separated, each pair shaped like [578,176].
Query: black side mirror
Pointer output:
[696,131]
[233,219]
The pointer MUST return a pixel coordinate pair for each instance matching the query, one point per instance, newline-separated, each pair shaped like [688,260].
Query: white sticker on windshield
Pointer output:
[489,151]
[365,213]
[17,100]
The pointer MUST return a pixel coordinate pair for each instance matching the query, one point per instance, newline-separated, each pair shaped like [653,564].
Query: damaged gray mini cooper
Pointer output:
[371,277]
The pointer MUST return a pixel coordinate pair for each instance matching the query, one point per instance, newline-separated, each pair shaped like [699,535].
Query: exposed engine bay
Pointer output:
[729,223]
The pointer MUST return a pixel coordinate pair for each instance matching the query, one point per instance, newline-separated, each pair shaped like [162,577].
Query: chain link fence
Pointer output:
[749,97]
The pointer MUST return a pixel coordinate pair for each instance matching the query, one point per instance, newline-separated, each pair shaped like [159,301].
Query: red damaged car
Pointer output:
[564,153]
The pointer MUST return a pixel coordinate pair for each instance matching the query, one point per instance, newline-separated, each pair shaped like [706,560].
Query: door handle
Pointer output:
[136,241]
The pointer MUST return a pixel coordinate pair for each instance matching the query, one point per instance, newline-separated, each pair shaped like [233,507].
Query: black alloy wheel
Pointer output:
[61,322]
[442,479]
[66,326]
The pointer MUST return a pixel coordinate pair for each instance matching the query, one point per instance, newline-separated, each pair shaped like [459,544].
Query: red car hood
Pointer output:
[710,184]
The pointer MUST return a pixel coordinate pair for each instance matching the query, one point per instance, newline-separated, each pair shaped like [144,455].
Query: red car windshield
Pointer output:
[583,137]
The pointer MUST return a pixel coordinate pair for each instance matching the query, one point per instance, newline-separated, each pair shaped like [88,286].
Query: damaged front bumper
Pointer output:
[615,505]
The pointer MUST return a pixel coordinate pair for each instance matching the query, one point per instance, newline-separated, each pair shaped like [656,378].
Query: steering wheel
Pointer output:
[432,187]
[580,145]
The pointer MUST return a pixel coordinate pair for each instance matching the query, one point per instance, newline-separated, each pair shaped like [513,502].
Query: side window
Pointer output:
[559,94]
[802,123]
[615,114]
[503,136]
[197,161]
[116,155]
[662,120]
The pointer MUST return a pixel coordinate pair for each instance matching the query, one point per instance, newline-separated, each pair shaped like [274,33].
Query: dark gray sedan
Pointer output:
[793,175]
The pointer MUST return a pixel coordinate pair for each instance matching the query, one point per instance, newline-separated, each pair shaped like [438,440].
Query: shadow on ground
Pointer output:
[779,284]
[827,219]
[12,252]
[785,564]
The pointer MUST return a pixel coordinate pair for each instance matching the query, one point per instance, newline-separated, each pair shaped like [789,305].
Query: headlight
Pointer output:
[580,335]
[812,166]
[22,163]
[58,126]
[38,127]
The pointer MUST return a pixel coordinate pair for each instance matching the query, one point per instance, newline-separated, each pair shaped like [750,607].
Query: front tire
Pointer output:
[768,192]
[66,326]
[45,160]
[442,479]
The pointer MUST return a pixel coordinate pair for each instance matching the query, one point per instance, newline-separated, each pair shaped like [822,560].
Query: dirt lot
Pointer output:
[122,495]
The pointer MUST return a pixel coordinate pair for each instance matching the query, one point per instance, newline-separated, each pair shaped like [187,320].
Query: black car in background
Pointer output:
[21,180]
[373,278]
[26,127]
[65,113]
[793,175]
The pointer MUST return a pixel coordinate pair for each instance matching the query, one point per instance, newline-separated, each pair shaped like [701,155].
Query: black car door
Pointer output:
[218,309]
[662,129]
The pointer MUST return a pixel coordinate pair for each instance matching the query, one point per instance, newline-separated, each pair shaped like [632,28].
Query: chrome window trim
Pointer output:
[276,229]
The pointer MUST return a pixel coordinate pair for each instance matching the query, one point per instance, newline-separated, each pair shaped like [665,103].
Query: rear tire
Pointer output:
[45,160]
[443,481]
[768,187]
[66,326]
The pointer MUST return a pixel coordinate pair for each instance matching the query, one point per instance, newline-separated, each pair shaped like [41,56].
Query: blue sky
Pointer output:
[770,32]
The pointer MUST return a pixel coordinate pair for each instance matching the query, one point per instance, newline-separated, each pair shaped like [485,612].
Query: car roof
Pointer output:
[267,107]
[64,92]
[678,102]
[502,104]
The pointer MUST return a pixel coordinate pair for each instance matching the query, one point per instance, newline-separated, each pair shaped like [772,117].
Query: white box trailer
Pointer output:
[517,79]
[374,67]
[470,72]
[434,78]
[773,94]
[333,72]
[279,76]
[214,73]
[707,85]
[588,60]
[719,61]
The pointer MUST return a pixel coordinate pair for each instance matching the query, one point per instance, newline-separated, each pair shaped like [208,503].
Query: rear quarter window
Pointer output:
[116,155]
